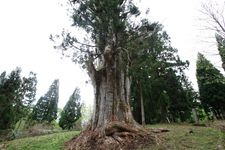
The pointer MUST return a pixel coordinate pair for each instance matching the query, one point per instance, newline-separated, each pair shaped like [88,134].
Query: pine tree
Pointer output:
[46,107]
[71,112]
[211,85]
[153,70]
[16,96]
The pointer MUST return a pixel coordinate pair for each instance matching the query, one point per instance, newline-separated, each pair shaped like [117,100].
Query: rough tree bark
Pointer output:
[112,93]
[107,61]
[112,125]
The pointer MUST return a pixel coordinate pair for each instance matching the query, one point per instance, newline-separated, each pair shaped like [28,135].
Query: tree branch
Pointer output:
[85,44]
[91,69]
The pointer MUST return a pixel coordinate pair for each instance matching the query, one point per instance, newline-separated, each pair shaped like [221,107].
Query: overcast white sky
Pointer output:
[25,27]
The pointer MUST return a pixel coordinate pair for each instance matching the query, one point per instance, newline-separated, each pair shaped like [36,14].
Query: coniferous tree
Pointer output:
[157,76]
[211,85]
[46,107]
[71,112]
[215,22]
[105,50]
[16,96]
[181,99]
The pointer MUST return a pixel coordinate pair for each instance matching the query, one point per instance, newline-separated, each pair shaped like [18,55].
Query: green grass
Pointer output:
[47,142]
[180,138]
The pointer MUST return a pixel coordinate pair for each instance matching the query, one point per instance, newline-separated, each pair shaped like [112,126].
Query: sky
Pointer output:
[25,27]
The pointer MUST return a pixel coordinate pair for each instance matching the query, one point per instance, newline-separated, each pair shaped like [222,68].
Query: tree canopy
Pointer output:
[211,85]
[46,107]
[158,75]
[16,96]
[71,112]
[111,38]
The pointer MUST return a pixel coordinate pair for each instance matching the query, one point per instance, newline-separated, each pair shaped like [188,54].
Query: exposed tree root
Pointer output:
[116,136]
[160,130]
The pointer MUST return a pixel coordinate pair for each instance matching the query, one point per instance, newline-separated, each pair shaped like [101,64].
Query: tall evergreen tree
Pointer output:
[105,53]
[153,70]
[71,112]
[16,96]
[211,85]
[181,99]
[215,22]
[46,107]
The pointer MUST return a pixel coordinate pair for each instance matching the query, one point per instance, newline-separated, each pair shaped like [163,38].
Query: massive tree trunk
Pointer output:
[112,125]
[107,54]
[112,92]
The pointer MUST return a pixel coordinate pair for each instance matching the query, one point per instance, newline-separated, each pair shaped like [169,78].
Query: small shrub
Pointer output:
[41,129]
[6,135]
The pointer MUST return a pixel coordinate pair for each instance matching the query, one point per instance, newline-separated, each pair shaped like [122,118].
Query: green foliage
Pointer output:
[211,85]
[221,48]
[140,49]
[103,18]
[16,96]
[106,23]
[71,112]
[46,107]
[201,114]
[112,39]
[159,71]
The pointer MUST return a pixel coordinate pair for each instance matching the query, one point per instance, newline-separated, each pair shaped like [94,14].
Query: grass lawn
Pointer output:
[188,137]
[47,142]
[180,137]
